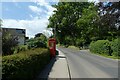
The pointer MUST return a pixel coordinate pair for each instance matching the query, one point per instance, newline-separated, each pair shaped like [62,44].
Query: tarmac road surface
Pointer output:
[83,64]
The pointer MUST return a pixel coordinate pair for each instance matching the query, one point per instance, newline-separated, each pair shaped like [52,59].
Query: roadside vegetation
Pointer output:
[82,24]
[106,48]
[25,65]
[23,61]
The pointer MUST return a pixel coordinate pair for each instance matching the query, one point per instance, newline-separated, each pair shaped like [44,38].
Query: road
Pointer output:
[83,64]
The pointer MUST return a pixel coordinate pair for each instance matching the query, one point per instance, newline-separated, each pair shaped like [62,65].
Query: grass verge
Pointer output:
[103,55]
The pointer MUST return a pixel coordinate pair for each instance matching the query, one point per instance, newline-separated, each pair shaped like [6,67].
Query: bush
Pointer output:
[111,48]
[36,42]
[101,47]
[25,65]
[8,43]
[115,45]
[20,48]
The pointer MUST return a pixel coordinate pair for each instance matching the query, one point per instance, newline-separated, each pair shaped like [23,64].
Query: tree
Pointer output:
[80,23]
[64,21]
[87,25]
[38,35]
[109,13]
[39,40]
[0,25]
[9,42]
[0,22]
[0,37]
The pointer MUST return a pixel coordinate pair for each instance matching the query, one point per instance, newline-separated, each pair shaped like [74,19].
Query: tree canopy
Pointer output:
[82,22]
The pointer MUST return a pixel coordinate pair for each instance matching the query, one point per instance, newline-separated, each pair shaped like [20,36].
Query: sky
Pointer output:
[32,16]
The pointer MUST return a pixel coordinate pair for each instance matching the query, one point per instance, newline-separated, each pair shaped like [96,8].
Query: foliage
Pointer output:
[25,65]
[9,42]
[0,23]
[37,42]
[115,45]
[64,21]
[73,47]
[20,48]
[87,25]
[110,48]
[80,23]
[38,35]
[100,47]
[110,13]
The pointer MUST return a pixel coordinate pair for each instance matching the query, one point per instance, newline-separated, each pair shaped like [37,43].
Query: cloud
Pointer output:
[35,9]
[47,10]
[32,26]
[50,10]
[42,2]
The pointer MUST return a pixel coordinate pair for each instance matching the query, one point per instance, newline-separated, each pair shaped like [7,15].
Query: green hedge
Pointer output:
[20,48]
[110,48]
[25,65]
[100,46]
[115,45]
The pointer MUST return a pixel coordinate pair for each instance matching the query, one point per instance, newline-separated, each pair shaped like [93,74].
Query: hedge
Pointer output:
[25,65]
[115,45]
[100,46]
[20,48]
[110,48]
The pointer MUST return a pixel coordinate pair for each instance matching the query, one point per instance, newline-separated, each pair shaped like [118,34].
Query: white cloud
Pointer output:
[50,10]
[32,26]
[43,3]
[36,9]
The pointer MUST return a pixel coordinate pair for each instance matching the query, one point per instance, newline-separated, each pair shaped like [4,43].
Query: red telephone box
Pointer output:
[52,47]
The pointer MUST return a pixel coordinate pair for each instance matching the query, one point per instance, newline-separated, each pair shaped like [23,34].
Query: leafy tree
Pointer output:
[38,35]
[0,22]
[64,21]
[9,42]
[80,23]
[109,13]
[87,25]
[0,37]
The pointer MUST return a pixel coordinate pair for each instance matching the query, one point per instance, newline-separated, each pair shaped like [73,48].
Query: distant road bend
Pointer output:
[82,64]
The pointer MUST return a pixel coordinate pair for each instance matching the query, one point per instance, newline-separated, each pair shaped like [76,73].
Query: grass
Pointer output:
[73,47]
[112,57]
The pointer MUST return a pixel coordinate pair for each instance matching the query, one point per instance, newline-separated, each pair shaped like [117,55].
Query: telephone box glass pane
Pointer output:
[51,45]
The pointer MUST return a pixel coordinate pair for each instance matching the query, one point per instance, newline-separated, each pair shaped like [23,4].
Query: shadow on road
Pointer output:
[44,75]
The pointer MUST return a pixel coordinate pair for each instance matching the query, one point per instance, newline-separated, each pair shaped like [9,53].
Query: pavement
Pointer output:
[56,69]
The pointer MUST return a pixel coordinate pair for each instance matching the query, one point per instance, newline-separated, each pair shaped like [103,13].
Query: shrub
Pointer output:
[115,45]
[8,43]
[101,47]
[37,42]
[23,48]
[20,48]
[111,48]
[25,65]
